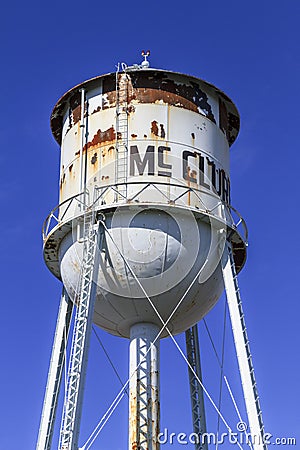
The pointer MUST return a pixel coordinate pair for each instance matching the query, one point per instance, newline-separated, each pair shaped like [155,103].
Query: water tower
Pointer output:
[144,238]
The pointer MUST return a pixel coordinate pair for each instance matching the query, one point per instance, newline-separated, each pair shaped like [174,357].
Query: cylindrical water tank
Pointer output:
[149,151]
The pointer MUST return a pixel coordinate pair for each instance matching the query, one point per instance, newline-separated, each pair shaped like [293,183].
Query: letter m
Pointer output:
[136,161]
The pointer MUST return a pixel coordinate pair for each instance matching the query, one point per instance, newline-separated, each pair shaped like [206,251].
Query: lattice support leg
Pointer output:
[144,387]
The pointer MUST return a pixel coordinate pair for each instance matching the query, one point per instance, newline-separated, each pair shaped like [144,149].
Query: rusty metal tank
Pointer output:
[147,149]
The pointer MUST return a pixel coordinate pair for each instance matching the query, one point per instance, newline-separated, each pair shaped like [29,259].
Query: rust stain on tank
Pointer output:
[94,158]
[160,96]
[133,423]
[191,175]
[63,179]
[130,109]
[193,139]
[107,156]
[188,98]
[109,100]
[100,137]
[167,88]
[76,113]
[154,128]
[142,88]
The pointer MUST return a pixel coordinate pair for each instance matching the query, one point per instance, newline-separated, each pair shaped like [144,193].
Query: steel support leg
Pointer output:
[243,351]
[70,425]
[144,387]
[55,373]
[196,391]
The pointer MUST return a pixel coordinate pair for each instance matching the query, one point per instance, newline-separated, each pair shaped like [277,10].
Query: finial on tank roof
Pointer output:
[144,65]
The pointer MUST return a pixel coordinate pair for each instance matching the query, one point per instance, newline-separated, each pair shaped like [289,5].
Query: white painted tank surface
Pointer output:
[152,149]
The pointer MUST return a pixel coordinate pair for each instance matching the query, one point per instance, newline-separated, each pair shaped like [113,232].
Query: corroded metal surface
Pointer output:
[163,141]
[152,86]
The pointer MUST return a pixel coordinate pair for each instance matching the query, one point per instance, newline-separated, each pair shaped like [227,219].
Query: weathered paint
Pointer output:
[163,109]
[100,137]
[178,133]
[150,86]
[150,125]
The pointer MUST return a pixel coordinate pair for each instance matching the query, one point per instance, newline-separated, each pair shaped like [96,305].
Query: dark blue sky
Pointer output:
[250,50]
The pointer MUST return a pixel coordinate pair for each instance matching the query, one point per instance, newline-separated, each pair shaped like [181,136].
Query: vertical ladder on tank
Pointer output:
[55,373]
[242,346]
[121,166]
[92,241]
[196,391]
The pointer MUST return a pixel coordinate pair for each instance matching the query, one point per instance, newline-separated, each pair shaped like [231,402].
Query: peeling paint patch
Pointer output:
[223,117]
[229,123]
[97,110]
[233,127]
[101,136]
[162,81]
[162,97]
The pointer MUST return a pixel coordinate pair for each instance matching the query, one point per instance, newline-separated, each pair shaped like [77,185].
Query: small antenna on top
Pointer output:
[145,64]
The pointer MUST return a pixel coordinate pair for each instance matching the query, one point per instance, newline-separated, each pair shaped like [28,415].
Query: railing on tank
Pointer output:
[82,202]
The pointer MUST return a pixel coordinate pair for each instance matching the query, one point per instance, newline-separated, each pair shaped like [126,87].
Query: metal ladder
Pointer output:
[121,134]
[243,350]
[196,391]
[92,238]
